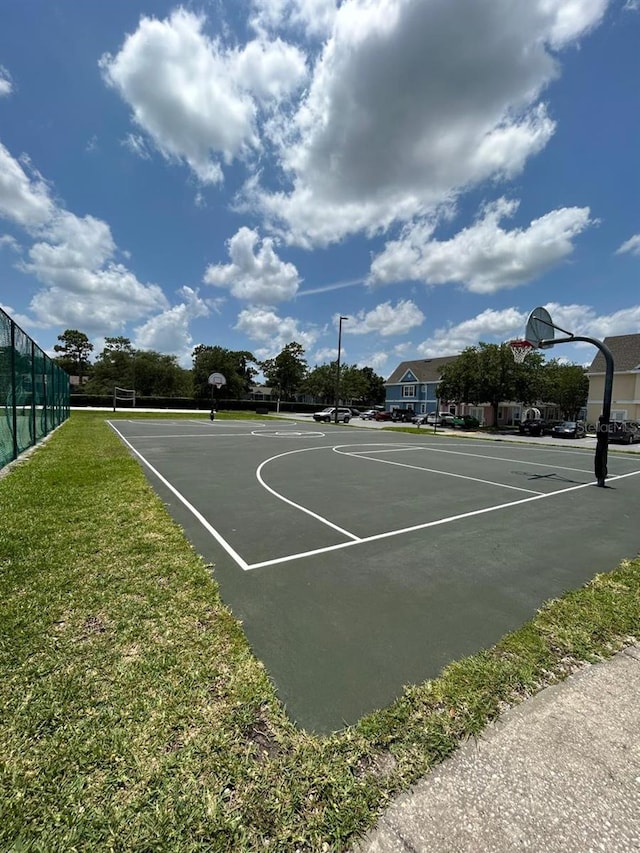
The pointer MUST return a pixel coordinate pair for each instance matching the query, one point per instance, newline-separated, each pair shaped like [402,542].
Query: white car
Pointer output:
[329,414]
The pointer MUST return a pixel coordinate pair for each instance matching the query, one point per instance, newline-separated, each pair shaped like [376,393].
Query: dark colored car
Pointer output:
[569,429]
[624,432]
[465,422]
[538,426]
[403,415]
[532,426]
[382,416]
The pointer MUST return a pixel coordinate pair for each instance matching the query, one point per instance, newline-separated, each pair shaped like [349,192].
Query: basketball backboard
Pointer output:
[540,328]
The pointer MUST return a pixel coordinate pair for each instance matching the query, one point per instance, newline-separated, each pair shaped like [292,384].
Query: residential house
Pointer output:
[625,397]
[414,385]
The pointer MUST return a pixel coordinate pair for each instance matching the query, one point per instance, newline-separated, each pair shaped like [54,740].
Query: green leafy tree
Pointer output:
[567,385]
[235,366]
[353,384]
[286,372]
[149,373]
[375,391]
[113,367]
[488,374]
[357,384]
[75,348]
[321,382]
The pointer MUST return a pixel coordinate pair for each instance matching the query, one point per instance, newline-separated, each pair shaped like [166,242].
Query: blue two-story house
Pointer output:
[414,385]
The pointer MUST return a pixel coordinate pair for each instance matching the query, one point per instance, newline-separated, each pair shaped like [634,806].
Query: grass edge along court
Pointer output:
[134,715]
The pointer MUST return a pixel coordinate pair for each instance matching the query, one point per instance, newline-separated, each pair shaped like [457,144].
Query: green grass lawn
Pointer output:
[134,716]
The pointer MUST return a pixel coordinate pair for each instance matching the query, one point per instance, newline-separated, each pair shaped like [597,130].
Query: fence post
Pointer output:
[14,419]
[34,432]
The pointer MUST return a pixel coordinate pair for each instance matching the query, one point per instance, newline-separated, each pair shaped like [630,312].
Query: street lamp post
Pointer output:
[338,368]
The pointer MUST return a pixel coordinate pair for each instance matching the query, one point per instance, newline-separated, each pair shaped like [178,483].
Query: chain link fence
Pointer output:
[34,391]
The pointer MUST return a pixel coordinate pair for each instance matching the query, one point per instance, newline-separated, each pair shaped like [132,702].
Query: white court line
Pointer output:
[428,524]
[292,503]
[197,435]
[480,456]
[203,521]
[435,471]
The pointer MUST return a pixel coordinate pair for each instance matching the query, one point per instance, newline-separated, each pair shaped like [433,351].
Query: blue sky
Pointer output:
[243,172]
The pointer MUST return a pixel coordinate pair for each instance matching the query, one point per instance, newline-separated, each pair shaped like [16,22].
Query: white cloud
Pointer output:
[168,332]
[255,274]
[632,245]
[264,325]
[483,257]
[325,355]
[314,17]
[195,98]
[136,144]
[632,6]
[24,195]
[76,262]
[271,71]
[490,327]
[377,360]
[6,240]
[583,320]
[6,85]
[74,257]
[386,319]
[360,155]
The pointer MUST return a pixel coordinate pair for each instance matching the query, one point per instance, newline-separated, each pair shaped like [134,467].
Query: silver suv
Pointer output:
[328,415]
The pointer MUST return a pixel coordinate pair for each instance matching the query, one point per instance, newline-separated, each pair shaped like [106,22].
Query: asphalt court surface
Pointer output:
[360,561]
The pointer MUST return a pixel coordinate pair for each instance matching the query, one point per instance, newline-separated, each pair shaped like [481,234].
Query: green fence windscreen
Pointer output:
[34,391]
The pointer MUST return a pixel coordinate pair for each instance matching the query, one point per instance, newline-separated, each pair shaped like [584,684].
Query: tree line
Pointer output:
[153,374]
[488,374]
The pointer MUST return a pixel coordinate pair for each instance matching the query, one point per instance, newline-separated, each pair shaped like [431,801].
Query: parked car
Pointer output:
[382,416]
[403,415]
[355,413]
[465,422]
[446,419]
[569,429]
[369,414]
[432,418]
[329,414]
[624,432]
[538,426]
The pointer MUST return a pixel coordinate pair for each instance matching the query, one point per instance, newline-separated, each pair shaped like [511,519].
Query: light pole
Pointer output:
[338,368]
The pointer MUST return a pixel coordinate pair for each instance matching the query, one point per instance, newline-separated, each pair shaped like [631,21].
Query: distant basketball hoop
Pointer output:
[217,380]
[520,349]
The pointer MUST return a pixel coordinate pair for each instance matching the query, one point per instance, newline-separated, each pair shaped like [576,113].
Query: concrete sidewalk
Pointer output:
[559,773]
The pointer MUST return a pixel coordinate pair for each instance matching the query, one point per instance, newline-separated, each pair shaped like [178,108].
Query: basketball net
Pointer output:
[520,349]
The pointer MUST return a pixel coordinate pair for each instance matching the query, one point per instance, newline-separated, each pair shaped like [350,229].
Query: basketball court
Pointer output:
[359,561]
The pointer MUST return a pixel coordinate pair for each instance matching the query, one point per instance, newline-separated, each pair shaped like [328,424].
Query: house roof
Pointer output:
[625,350]
[423,369]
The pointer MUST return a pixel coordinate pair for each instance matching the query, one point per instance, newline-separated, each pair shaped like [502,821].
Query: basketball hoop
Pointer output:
[520,350]
[217,380]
